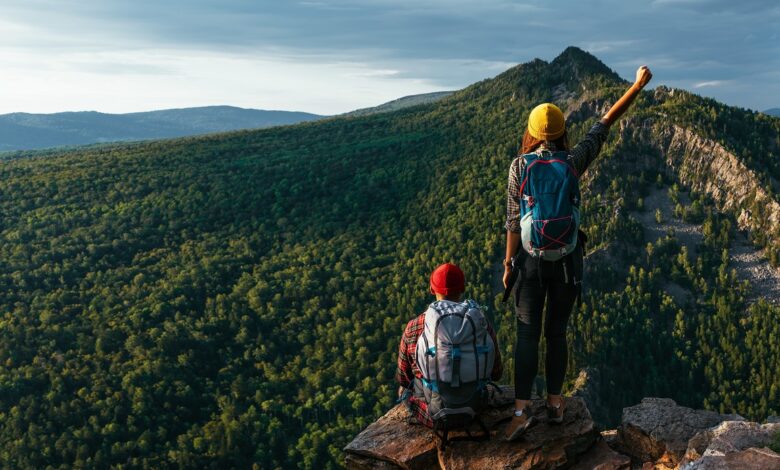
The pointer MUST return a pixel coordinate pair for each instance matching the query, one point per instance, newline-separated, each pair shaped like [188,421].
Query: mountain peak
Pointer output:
[581,62]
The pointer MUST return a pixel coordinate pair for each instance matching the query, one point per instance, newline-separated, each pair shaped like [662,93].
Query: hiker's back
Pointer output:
[549,205]
[455,354]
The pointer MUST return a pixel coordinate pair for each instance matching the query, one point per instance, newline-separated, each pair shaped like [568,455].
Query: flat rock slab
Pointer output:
[392,443]
[542,446]
[391,439]
[658,430]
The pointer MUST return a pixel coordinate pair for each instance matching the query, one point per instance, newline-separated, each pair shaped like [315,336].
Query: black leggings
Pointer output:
[540,281]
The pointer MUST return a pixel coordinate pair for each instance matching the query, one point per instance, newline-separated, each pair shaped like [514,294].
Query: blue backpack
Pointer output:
[549,205]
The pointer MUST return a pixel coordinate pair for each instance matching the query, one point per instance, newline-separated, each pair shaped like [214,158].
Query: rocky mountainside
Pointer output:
[654,434]
[707,167]
[704,166]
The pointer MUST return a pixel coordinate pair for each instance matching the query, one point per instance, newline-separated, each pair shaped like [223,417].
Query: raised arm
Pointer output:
[643,76]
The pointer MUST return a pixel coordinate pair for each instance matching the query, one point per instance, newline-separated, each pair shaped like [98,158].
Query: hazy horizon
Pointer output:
[333,56]
[162,109]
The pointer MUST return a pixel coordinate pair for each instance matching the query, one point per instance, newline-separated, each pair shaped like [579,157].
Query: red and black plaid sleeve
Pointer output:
[407,369]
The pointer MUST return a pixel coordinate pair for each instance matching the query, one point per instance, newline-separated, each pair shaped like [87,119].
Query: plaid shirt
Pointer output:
[407,369]
[580,158]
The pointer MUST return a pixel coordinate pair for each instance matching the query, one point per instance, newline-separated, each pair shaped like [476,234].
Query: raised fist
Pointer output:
[643,75]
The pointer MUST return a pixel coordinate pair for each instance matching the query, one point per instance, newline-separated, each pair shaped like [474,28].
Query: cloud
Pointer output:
[439,43]
[709,83]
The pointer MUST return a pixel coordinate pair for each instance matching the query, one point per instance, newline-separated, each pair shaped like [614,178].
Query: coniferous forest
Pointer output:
[236,300]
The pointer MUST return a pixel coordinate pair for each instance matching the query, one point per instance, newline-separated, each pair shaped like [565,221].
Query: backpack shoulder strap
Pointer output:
[528,158]
[564,156]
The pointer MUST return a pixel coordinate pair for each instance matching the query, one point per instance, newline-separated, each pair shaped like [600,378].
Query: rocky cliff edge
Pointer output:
[654,434]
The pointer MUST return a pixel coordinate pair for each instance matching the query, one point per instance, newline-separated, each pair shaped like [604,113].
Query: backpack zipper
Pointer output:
[565,273]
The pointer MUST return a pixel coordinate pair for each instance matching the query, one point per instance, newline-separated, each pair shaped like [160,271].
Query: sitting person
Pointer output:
[447,283]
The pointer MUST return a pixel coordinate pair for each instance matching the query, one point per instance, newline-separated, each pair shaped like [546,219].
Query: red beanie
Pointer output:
[447,279]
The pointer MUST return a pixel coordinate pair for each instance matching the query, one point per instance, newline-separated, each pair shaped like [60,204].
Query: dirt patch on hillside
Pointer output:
[750,263]
[689,235]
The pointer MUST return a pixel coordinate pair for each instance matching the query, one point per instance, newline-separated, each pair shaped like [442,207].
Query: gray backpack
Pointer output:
[455,354]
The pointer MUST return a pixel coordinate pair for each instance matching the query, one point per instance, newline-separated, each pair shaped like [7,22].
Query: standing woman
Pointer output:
[544,245]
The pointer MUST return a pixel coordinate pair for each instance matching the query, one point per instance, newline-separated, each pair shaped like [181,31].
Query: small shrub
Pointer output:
[775,444]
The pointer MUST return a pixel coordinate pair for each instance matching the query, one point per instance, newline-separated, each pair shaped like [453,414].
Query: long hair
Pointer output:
[531,143]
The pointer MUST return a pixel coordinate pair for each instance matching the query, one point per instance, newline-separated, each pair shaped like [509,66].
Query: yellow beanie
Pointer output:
[546,122]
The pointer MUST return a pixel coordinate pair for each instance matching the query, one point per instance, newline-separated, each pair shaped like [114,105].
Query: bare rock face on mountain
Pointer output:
[732,441]
[391,442]
[706,166]
[658,430]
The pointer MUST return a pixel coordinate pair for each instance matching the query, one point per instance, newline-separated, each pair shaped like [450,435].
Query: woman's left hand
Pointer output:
[507,273]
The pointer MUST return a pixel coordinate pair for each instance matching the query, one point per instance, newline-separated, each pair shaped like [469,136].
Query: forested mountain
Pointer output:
[401,103]
[26,131]
[21,131]
[237,299]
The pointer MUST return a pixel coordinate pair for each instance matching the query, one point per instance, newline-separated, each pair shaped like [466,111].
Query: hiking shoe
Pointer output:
[519,424]
[555,413]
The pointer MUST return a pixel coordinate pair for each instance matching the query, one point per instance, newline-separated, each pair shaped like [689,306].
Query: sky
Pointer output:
[332,56]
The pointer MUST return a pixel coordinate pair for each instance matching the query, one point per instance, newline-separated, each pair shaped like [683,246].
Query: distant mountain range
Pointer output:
[25,131]
[34,131]
[773,112]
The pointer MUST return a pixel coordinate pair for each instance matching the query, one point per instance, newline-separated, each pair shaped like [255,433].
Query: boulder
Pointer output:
[392,443]
[657,430]
[748,459]
[730,437]
[602,457]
